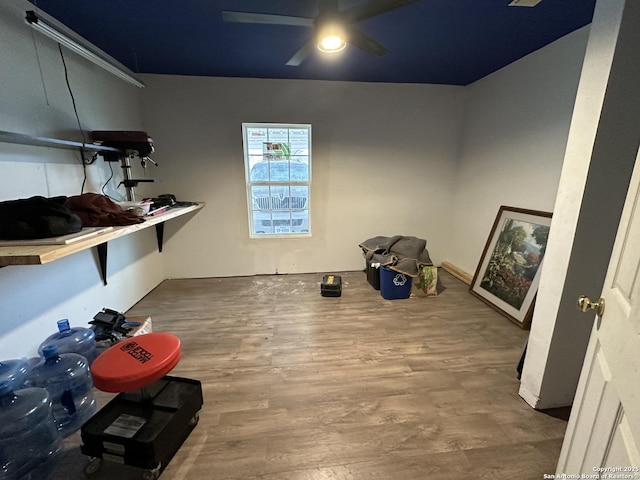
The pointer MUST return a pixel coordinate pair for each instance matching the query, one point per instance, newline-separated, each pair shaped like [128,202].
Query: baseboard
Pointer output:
[529,397]
[457,272]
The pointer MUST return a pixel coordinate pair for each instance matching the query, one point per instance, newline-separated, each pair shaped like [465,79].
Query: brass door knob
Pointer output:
[584,305]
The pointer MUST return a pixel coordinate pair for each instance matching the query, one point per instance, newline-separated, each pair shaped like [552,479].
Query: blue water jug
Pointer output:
[29,440]
[67,378]
[14,372]
[72,340]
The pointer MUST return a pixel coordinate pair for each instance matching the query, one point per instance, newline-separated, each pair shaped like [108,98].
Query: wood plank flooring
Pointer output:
[303,387]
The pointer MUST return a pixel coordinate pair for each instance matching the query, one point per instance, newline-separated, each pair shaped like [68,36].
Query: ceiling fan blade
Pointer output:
[266,18]
[373,8]
[302,54]
[327,6]
[365,42]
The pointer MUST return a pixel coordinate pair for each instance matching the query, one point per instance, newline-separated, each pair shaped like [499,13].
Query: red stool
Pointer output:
[147,422]
[135,363]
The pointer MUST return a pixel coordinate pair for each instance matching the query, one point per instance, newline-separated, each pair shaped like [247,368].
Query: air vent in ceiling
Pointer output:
[524,3]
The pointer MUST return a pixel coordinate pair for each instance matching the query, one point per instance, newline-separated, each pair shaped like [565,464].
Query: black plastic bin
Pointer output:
[373,276]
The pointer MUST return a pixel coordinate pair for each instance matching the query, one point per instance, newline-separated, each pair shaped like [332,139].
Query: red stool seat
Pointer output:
[136,362]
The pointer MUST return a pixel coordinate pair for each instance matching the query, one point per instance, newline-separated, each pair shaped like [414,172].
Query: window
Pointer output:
[277,160]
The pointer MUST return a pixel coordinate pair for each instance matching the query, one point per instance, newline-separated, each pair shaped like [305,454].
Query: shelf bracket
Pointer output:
[102,257]
[160,235]
[102,251]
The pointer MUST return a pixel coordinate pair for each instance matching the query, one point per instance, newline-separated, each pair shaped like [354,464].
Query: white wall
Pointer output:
[515,134]
[34,100]
[601,151]
[383,164]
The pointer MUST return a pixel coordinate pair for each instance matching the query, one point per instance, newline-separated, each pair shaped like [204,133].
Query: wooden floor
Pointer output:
[303,387]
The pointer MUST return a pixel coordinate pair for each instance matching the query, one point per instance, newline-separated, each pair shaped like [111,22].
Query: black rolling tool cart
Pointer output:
[154,413]
[143,430]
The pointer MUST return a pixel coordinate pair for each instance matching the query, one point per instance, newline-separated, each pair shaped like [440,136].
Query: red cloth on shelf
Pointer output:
[97,210]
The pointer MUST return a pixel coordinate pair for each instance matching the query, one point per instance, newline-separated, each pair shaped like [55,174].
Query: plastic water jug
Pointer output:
[67,378]
[29,440]
[72,340]
[14,372]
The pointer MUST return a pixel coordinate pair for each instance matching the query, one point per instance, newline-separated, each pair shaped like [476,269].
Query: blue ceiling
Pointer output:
[453,42]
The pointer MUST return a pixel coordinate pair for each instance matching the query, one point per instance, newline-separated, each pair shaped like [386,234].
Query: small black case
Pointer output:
[331,286]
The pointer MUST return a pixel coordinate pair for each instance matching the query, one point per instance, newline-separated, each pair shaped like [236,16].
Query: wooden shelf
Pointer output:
[41,254]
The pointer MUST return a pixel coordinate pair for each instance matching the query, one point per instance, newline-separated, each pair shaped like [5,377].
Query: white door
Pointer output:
[603,434]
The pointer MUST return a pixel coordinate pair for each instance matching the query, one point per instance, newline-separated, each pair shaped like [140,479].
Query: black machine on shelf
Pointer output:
[133,144]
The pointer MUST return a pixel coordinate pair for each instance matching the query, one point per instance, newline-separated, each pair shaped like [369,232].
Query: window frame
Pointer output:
[253,234]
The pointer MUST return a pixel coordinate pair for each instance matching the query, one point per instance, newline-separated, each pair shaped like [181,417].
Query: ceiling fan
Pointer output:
[332,28]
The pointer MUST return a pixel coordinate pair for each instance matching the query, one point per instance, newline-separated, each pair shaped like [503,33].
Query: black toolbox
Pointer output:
[143,428]
[331,286]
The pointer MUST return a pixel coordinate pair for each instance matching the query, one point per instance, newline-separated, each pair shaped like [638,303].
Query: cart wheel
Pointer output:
[194,420]
[151,474]
[93,466]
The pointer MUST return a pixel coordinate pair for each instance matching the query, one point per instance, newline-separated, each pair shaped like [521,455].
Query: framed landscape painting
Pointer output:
[508,274]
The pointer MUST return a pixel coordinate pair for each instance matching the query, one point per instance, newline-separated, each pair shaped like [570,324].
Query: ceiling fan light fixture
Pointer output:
[331,37]
[333,28]
[331,44]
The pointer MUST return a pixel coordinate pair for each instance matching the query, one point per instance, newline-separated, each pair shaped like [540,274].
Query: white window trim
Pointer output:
[248,183]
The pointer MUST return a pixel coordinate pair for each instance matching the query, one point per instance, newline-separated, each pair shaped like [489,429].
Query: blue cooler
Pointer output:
[394,285]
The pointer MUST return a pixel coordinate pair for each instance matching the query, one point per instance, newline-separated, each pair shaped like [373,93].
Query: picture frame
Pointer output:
[508,274]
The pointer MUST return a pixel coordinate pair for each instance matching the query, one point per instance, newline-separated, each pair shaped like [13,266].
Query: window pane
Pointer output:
[280,197]
[282,222]
[259,172]
[260,197]
[300,220]
[279,170]
[300,171]
[299,197]
[299,141]
[278,135]
[255,138]
[261,221]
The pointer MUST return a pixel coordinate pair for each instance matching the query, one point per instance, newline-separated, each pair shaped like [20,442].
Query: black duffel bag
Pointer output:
[37,217]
